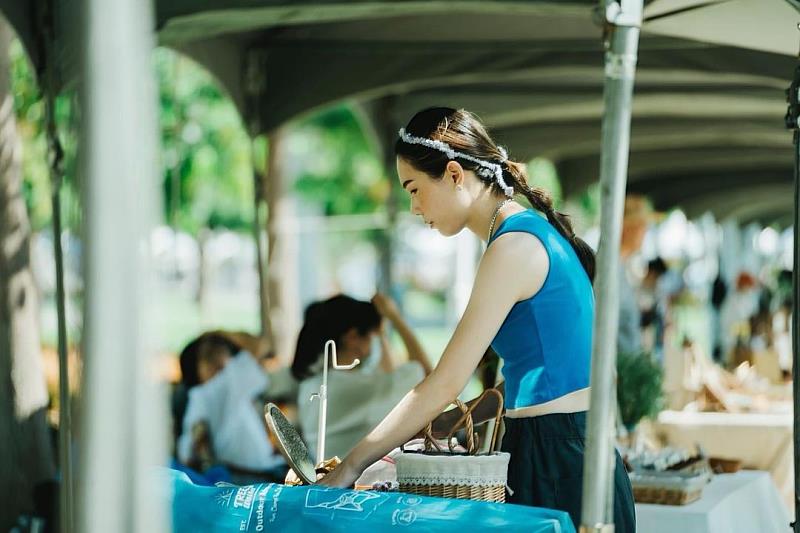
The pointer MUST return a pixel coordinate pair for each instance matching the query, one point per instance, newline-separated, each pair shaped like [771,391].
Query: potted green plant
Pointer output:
[639,387]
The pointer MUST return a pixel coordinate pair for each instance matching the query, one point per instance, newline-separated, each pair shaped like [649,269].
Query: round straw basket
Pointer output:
[443,473]
[473,477]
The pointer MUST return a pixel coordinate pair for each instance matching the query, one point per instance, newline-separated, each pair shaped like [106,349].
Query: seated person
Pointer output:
[358,398]
[194,372]
[223,422]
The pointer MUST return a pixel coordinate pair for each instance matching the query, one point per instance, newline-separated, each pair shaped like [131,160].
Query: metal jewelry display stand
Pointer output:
[322,395]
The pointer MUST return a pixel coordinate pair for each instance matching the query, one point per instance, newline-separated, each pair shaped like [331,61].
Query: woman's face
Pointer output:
[355,346]
[363,346]
[439,202]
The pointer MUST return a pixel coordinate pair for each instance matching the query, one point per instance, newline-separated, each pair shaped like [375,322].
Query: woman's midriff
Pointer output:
[573,402]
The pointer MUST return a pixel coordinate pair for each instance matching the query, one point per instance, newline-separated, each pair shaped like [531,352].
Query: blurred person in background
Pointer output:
[358,398]
[653,304]
[225,387]
[635,223]
[738,308]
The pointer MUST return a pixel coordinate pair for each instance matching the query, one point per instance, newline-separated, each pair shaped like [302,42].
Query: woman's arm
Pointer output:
[258,346]
[388,309]
[387,360]
[487,410]
[497,288]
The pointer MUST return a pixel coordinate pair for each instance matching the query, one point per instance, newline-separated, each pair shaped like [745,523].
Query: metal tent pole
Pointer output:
[793,123]
[796,332]
[64,403]
[387,131]
[48,77]
[124,413]
[255,85]
[622,21]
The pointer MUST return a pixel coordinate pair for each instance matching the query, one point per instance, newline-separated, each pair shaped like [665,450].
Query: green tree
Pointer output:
[204,145]
[31,127]
[206,153]
[337,167]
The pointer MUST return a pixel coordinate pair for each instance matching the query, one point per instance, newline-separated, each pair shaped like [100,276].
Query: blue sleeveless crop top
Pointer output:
[546,340]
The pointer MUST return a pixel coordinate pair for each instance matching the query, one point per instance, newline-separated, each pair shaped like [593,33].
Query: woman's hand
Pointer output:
[343,476]
[386,307]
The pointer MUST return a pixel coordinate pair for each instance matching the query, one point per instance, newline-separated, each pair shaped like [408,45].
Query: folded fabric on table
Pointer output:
[272,507]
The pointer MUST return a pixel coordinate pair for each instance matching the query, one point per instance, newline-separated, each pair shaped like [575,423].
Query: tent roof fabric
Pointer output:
[533,70]
[185,20]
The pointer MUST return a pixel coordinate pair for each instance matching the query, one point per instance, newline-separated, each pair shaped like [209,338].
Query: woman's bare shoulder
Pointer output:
[520,258]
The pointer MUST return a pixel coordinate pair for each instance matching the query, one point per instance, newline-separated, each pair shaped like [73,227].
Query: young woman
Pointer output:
[532,301]
[357,399]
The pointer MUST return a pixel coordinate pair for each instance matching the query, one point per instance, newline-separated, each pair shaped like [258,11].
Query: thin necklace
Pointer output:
[497,209]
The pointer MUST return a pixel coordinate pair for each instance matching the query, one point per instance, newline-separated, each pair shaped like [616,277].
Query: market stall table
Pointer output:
[299,509]
[762,441]
[743,502]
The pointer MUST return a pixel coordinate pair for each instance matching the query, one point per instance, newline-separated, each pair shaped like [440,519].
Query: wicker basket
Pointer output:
[495,493]
[448,474]
[720,465]
[665,496]
[668,488]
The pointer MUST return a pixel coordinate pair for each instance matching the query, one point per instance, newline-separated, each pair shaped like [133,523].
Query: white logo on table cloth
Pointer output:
[403,517]
[224,498]
[409,500]
[328,502]
[244,497]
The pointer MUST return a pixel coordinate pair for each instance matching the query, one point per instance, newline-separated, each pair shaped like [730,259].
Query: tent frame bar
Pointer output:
[621,36]
[793,123]
[48,76]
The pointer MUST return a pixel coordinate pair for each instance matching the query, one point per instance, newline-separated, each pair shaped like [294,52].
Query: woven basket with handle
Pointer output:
[449,474]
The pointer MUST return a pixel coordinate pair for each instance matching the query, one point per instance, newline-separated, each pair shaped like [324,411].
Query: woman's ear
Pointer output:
[454,173]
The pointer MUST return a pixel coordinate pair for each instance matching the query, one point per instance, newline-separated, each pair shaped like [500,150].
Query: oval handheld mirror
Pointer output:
[290,444]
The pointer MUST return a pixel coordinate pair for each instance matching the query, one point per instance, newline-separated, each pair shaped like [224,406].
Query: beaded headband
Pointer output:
[486,169]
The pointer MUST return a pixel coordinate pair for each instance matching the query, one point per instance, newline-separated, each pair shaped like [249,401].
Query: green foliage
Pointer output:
[639,380]
[204,147]
[337,168]
[542,173]
[206,153]
[590,202]
[207,156]
[29,109]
